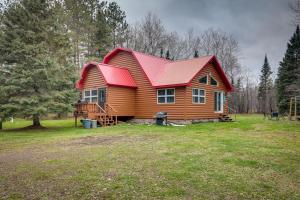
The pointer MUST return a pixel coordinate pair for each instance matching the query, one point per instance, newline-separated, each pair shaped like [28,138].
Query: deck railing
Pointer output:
[90,107]
[231,111]
[84,108]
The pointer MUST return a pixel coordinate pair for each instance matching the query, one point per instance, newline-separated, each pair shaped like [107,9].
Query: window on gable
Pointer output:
[90,96]
[213,81]
[165,96]
[203,80]
[198,96]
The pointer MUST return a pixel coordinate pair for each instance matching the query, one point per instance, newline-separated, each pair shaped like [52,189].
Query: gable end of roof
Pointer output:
[112,75]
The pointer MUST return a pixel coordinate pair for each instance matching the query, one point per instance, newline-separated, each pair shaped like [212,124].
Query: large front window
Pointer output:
[90,95]
[165,96]
[198,96]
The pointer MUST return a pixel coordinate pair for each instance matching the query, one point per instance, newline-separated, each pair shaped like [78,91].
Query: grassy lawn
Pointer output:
[252,158]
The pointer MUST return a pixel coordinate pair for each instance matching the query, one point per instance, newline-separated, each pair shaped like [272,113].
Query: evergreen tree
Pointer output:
[102,35]
[196,54]
[161,52]
[116,20]
[265,85]
[79,25]
[35,55]
[168,55]
[4,113]
[287,82]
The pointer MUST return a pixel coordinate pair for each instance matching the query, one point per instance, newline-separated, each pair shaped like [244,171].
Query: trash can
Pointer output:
[94,123]
[86,123]
[161,118]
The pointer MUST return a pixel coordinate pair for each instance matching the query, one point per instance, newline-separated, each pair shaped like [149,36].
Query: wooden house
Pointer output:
[130,84]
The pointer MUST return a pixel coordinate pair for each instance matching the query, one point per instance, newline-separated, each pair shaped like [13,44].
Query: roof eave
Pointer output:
[120,85]
[171,85]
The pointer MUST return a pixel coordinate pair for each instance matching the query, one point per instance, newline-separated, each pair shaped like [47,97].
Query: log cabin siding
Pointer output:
[94,79]
[204,111]
[146,101]
[141,102]
[122,99]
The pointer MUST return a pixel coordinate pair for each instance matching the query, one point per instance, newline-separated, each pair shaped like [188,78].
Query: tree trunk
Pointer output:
[36,121]
[0,124]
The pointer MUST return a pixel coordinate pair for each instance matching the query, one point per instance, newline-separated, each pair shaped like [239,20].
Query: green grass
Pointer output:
[252,158]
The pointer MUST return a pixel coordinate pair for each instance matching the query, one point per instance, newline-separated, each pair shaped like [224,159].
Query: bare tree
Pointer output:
[295,10]
[225,47]
[148,36]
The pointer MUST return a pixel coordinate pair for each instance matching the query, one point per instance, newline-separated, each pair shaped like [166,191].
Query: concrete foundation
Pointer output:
[185,122]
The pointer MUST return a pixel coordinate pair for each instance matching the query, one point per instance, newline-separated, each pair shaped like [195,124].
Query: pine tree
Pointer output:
[161,52]
[35,54]
[196,54]
[287,82]
[102,35]
[116,19]
[265,85]
[3,97]
[168,55]
[79,25]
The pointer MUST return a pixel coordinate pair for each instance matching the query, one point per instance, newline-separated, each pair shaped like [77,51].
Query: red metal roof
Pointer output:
[181,72]
[164,73]
[113,75]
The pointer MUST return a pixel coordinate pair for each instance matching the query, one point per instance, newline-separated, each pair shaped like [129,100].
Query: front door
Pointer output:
[219,102]
[102,97]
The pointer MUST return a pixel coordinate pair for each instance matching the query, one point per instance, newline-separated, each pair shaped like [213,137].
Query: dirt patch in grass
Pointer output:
[105,140]
[95,140]
[36,153]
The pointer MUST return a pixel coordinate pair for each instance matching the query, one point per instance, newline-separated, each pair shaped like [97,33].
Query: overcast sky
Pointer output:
[260,26]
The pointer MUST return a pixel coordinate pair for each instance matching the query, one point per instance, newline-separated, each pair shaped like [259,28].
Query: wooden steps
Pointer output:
[225,118]
[104,117]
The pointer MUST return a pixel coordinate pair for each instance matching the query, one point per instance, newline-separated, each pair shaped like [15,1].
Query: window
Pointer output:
[213,81]
[90,96]
[203,80]
[198,96]
[166,96]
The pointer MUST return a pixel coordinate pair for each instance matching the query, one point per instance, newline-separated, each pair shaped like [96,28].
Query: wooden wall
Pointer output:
[146,103]
[94,79]
[142,101]
[122,99]
[200,111]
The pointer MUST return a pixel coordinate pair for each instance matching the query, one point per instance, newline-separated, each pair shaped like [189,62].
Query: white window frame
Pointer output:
[207,77]
[222,101]
[198,96]
[215,80]
[165,96]
[90,96]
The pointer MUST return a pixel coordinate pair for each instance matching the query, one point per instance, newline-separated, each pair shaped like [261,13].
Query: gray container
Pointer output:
[94,123]
[161,118]
[86,123]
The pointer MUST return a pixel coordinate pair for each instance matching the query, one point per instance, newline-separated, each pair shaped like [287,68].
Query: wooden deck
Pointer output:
[105,116]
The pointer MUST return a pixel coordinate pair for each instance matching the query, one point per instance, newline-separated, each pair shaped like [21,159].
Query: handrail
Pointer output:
[110,107]
[234,111]
[101,109]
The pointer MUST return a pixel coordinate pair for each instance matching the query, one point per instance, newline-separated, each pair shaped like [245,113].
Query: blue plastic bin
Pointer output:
[87,123]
